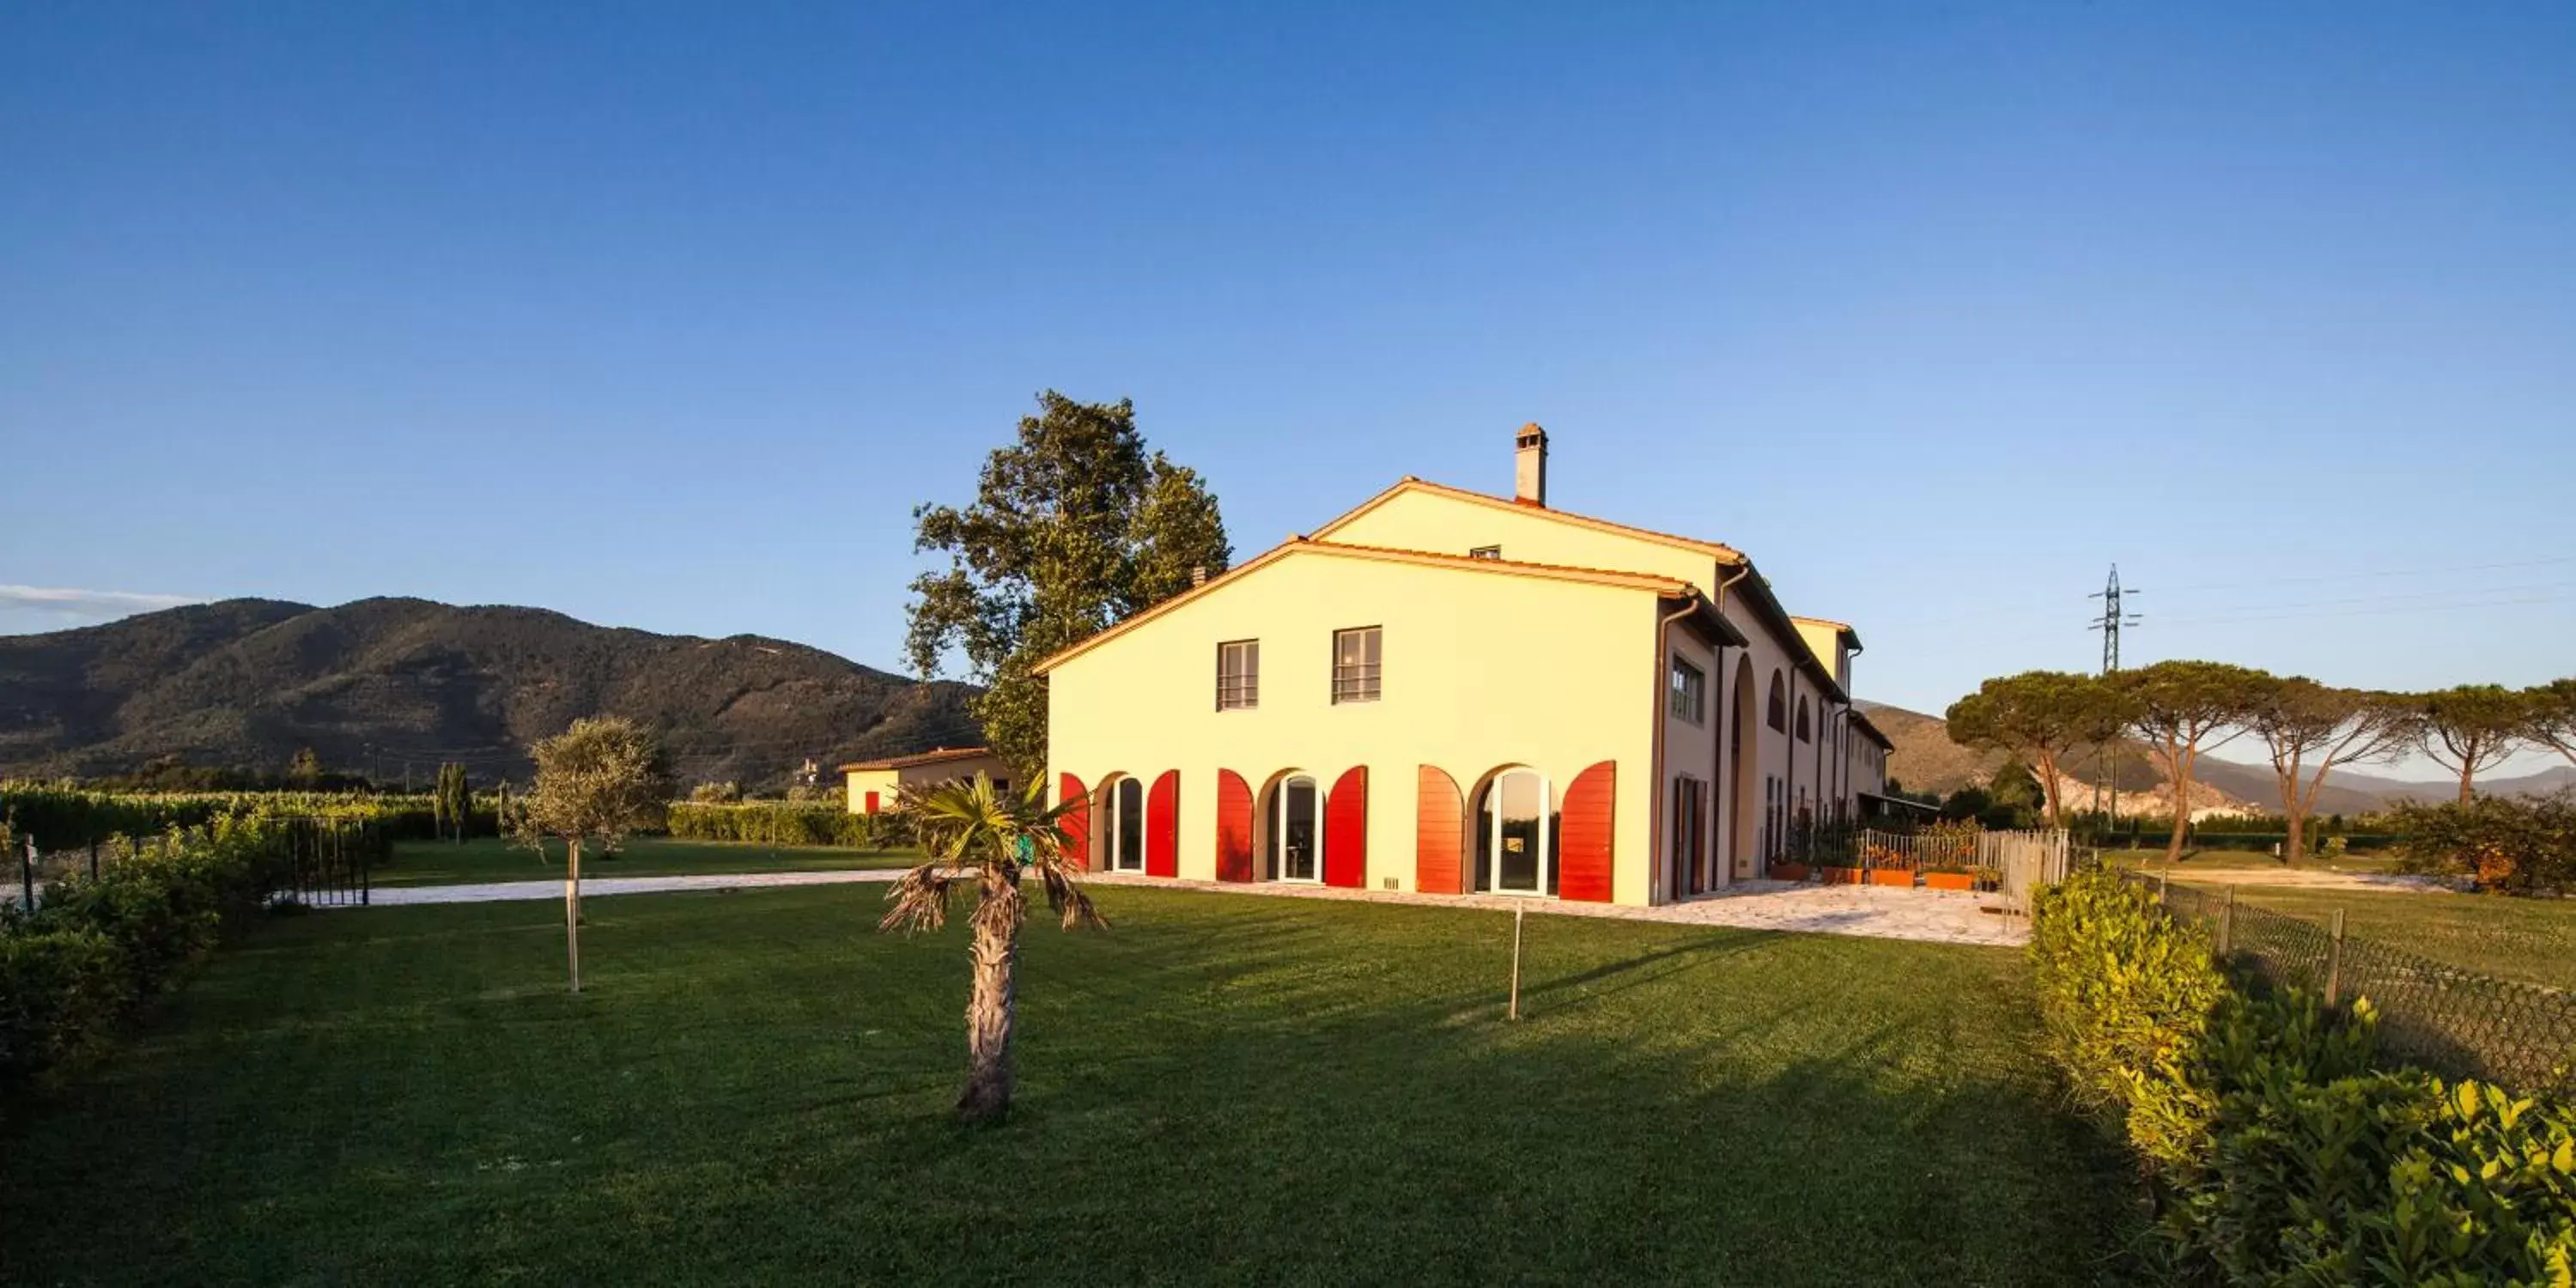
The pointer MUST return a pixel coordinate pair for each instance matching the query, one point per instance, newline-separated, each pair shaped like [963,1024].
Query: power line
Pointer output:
[2369,612]
[2360,576]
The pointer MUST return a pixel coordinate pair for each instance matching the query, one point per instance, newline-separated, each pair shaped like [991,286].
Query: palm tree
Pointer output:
[974,832]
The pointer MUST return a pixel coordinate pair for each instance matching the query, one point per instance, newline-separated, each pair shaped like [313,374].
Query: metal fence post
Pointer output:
[2334,960]
[2227,924]
[27,876]
[2164,889]
[1517,911]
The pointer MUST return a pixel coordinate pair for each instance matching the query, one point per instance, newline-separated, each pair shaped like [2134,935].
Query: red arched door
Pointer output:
[1346,830]
[1163,826]
[1076,823]
[1439,833]
[1233,827]
[1585,841]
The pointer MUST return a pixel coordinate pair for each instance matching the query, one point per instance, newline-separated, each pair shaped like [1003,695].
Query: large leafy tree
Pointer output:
[975,834]
[1075,527]
[2309,730]
[598,780]
[2041,717]
[2179,710]
[2471,729]
[2551,709]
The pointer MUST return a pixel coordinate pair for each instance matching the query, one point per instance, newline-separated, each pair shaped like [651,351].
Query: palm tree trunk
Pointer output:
[990,1008]
[572,910]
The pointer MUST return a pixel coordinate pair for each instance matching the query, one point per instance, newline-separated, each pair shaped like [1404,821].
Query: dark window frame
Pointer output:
[1362,681]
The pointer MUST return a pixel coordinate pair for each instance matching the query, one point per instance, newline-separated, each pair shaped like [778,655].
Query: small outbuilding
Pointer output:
[874,783]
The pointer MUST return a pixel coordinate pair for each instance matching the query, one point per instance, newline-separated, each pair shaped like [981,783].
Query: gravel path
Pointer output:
[1875,913]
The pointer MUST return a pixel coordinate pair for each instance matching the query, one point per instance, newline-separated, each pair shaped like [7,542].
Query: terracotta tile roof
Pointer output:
[1723,552]
[1656,582]
[935,756]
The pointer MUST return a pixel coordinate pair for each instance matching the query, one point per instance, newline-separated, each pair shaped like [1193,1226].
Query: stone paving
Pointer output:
[1870,912]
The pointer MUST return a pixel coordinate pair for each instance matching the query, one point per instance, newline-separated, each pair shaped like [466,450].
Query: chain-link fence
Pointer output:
[2447,1019]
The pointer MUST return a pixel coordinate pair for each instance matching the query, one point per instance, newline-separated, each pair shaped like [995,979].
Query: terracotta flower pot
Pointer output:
[1788,871]
[1899,877]
[1841,876]
[1949,880]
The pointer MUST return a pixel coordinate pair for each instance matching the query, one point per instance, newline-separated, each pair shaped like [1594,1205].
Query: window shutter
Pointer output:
[1076,824]
[1439,834]
[1585,838]
[1163,826]
[1346,830]
[1233,827]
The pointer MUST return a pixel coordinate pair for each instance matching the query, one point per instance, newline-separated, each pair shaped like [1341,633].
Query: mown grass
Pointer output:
[2244,860]
[488,859]
[2533,940]
[1219,1089]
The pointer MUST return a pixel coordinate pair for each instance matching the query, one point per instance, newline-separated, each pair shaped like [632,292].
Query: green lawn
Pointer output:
[485,859]
[2204,860]
[2525,939]
[1220,1089]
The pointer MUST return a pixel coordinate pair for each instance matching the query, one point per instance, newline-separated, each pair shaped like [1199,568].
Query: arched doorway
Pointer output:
[1292,829]
[1122,819]
[1516,834]
[1740,757]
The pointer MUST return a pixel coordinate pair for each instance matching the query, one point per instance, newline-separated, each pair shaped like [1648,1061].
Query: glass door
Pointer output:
[1517,849]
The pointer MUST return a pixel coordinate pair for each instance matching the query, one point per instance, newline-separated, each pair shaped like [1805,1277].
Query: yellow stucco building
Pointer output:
[1452,692]
[873,784]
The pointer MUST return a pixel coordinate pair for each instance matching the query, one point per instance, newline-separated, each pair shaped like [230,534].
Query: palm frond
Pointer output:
[973,830]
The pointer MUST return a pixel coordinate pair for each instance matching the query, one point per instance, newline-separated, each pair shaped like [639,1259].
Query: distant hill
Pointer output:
[1926,760]
[381,683]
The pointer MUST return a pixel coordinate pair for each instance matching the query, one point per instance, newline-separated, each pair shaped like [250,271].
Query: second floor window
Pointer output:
[1238,675]
[1689,692]
[1355,665]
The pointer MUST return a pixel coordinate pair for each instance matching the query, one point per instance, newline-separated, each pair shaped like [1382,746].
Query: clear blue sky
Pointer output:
[665,316]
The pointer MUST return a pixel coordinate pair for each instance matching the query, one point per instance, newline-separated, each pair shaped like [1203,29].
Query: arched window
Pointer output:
[1804,731]
[1123,840]
[1776,713]
[1516,834]
[1292,829]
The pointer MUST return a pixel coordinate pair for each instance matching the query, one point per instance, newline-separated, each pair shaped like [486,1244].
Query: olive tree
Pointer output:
[600,779]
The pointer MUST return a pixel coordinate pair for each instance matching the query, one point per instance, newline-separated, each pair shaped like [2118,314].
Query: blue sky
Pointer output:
[665,316]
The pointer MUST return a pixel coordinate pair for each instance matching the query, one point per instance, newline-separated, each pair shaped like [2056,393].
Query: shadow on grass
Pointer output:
[1220,1090]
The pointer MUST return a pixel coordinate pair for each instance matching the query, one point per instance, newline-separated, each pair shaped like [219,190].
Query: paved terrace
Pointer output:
[1875,913]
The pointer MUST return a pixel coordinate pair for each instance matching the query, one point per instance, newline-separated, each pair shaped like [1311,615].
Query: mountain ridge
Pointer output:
[1926,760]
[378,685]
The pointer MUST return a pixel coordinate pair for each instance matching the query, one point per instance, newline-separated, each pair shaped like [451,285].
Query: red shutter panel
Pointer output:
[872,802]
[1233,827]
[1163,826]
[1346,830]
[1076,823]
[1439,834]
[1584,837]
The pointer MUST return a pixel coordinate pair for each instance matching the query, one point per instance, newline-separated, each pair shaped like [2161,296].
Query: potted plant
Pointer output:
[1786,870]
[1950,877]
[1834,875]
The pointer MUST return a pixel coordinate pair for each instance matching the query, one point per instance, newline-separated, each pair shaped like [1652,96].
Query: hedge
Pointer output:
[63,817]
[784,823]
[91,950]
[2275,1150]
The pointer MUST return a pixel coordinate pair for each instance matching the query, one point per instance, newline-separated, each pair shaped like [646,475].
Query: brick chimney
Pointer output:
[1529,466]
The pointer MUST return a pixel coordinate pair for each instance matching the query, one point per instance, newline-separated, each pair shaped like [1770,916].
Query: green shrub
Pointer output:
[2509,845]
[784,823]
[92,948]
[61,993]
[2278,1155]
[2127,998]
